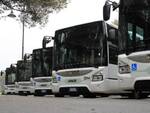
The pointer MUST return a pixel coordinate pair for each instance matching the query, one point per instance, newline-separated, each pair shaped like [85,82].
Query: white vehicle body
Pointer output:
[93,80]
[23,75]
[83,83]
[42,85]
[86,80]
[25,87]
[137,64]
[8,80]
[134,46]
[10,89]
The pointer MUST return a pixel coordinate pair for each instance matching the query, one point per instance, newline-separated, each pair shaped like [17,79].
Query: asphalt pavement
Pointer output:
[51,104]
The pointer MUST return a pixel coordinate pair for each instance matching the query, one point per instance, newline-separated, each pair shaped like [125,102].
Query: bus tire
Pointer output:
[104,95]
[137,94]
[145,96]
[58,95]
[89,95]
[38,94]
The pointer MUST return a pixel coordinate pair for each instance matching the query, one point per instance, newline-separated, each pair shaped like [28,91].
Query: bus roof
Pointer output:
[85,24]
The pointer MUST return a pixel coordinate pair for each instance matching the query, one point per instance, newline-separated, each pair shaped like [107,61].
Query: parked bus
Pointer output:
[85,58]
[24,73]
[41,71]
[2,81]
[134,46]
[10,79]
[42,68]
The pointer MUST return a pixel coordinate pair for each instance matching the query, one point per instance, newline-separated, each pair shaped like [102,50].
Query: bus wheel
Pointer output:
[36,93]
[145,95]
[104,95]
[89,95]
[137,94]
[58,95]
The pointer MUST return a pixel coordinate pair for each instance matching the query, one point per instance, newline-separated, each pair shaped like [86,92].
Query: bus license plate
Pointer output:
[25,92]
[72,89]
[43,91]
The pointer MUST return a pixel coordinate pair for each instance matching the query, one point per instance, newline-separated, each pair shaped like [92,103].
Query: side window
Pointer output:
[139,35]
[130,32]
[135,34]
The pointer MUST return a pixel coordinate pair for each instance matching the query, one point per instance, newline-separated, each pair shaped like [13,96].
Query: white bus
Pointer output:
[41,71]
[2,81]
[10,78]
[23,78]
[134,46]
[85,58]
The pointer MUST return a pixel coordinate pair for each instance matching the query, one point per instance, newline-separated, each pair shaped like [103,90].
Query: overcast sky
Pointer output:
[77,12]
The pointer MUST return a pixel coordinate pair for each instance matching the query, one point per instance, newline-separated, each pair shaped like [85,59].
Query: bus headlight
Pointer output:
[97,77]
[124,68]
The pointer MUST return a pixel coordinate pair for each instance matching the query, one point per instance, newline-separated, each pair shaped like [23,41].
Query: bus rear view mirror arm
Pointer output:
[107,8]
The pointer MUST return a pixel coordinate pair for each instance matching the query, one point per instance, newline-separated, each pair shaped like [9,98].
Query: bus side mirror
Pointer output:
[112,34]
[106,11]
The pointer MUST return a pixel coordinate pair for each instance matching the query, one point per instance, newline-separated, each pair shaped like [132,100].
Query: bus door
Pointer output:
[112,78]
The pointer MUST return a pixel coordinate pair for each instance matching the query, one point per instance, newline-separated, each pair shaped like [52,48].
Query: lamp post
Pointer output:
[23,38]
[12,15]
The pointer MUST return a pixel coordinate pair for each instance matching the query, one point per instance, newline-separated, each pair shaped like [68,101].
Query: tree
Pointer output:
[33,12]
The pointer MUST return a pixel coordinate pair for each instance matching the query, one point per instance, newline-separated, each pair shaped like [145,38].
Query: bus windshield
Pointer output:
[42,62]
[80,46]
[37,63]
[10,77]
[24,71]
[136,25]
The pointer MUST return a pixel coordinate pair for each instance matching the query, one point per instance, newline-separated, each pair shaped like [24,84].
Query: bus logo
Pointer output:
[134,67]
[58,77]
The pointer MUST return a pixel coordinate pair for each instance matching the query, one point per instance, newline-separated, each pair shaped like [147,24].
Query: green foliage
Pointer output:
[33,12]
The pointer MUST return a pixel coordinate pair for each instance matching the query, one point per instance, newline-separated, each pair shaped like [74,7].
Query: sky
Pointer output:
[77,12]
